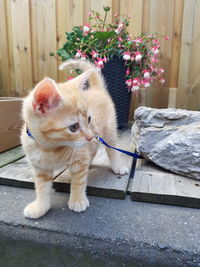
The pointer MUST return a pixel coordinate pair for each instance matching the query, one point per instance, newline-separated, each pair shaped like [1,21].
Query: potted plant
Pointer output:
[127,63]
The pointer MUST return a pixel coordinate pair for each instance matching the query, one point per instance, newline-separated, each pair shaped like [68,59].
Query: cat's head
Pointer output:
[60,114]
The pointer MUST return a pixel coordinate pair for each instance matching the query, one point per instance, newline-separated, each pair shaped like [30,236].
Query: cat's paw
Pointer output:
[78,205]
[35,210]
[120,170]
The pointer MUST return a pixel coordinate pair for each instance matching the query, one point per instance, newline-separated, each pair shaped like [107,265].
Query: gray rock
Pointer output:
[170,138]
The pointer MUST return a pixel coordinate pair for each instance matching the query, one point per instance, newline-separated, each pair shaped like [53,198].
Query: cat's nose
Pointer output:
[89,138]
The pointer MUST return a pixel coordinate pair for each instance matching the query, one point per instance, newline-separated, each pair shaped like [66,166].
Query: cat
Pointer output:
[62,120]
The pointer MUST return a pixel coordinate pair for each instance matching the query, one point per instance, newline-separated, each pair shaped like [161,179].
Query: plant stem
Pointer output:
[96,20]
[104,19]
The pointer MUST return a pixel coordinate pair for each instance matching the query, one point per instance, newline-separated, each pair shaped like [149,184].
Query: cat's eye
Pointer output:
[74,127]
[89,119]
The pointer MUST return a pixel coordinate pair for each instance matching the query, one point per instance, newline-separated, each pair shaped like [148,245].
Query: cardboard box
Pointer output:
[10,122]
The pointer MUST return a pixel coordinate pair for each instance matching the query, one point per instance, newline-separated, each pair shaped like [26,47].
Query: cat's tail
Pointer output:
[73,64]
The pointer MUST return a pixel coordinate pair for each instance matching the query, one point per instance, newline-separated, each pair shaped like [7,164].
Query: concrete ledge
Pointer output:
[111,233]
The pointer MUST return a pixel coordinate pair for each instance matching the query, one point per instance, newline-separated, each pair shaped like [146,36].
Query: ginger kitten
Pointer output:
[63,119]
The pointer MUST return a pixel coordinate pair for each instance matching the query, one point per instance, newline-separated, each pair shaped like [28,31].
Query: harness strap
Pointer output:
[131,154]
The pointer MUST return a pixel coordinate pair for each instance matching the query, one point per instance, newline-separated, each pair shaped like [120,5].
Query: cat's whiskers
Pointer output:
[64,158]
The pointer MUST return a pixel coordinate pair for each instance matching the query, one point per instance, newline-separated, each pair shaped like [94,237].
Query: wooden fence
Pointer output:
[31,29]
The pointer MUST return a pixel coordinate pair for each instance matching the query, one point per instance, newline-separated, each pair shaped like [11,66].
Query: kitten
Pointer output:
[63,119]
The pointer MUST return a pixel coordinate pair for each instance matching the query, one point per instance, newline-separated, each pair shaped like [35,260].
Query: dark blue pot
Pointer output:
[114,74]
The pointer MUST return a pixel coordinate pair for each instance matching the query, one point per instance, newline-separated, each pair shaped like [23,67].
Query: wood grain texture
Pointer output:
[43,21]
[5,79]
[21,45]
[101,181]
[30,30]
[10,122]
[153,184]
[69,13]
[176,42]
[11,156]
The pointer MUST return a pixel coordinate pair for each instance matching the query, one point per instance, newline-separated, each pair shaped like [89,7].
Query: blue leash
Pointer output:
[101,141]
[131,154]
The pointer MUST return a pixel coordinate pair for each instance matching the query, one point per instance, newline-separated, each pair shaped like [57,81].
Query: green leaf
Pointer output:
[64,54]
[104,35]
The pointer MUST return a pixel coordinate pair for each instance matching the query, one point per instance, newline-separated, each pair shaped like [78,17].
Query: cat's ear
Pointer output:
[88,79]
[45,96]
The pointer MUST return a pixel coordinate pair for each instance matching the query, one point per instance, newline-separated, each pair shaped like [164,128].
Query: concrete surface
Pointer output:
[110,233]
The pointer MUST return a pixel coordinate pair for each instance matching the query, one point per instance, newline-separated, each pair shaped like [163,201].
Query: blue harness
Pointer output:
[101,141]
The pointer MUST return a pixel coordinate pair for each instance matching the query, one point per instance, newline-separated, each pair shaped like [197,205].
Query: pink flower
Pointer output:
[129,37]
[146,73]
[94,54]
[136,81]
[137,41]
[105,59]
[162,80]
[119,45]
[152,67]
[160,71]
[116,15]
[86,28]
[70,78]
[99,63]
[127,71]
[138,56]
[155,50]
[156,43]
[78,54]
[146,82]
[120,28]
[83,56]
[120,39]
[126,55]
[135,88]
[166,37]
[154,59]
[129,82]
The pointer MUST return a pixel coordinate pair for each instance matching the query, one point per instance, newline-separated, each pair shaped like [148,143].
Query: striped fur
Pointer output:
[49,111]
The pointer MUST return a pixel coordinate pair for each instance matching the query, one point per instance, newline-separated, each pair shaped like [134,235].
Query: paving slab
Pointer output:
[112,232]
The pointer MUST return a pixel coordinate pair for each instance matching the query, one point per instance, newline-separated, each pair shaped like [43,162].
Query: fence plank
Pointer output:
[176,45]
[186,47]
[161,20]
[4,55]
[43,22]
[69,14]
[194,70]
[98,6]
[134,9]
[21,45]
[30,30]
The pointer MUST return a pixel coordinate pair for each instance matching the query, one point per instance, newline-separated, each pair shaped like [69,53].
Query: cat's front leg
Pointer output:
[40,206]
[78,200]
[117,165]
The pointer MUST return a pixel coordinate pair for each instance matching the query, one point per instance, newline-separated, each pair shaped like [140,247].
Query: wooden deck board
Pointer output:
[11,156]
[101,181]
[153,184]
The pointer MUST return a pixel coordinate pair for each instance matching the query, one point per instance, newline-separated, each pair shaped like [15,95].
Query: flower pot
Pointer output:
[10,122]
[114,73]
